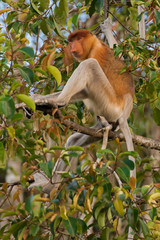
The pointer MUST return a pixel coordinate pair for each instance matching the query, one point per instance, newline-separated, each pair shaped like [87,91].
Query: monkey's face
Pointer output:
[80,43]
[77,48]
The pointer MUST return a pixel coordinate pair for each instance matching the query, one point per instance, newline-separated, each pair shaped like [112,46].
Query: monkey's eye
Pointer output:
[79,38]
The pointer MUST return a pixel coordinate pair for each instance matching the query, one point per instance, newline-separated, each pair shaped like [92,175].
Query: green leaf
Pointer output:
[56,73]
[28,204]
[36,206]
[92,8]
[7,106]
[156,115]
[122,174]
[47,168]
[153,75]
[14,229]
[157,15]
[123,70]
[17,117]
[35,27]
[101,152]
[134,2]
[55,224]
[81,226]
[44,4]
[129,153]
[45,27]
[20,236]
[75,20]
[69,23]
[34,229]
[11,132]
[28,50]
[145,229]
[50,167]
[129,163]
[119,206]
[147,167]
[126,171]
[133,17]
[57,29]
[100,207]
[27,100]
[153,213]
[61,12]
[71,226]
[16,26]
[40,71]
[35,7]
[27,74]
[75,148]
[145,189]
[57,148]
[99,5]
[2,153]
[101,219]
[117,51]
[44,168]
[84,164]
[105,235]
[9,213]
[132,215]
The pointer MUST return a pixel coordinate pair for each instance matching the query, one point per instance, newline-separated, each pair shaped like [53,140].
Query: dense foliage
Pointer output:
[33,37]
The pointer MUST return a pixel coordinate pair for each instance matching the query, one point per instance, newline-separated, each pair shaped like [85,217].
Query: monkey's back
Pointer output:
[122,83]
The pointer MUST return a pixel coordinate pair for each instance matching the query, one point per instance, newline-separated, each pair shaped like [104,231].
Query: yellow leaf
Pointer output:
[44,63]
[40,199]
[11,132]
[53,217]
[52,193]
[115,224]
[117,140]
[56,73]
[75,199]
[109,215]
[100,192]
[50,58]
[5,186]
[127,194]
[16,196]
[63,212]
[5,10]
[88,203]
[2,210]
[119,206]
[154,200]
[132,183]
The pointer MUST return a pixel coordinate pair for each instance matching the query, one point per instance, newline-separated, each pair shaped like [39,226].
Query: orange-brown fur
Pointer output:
[94,48]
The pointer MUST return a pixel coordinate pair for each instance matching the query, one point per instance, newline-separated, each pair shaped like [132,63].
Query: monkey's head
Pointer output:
[81,42]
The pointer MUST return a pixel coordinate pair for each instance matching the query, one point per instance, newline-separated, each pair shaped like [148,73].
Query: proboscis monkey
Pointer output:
[98,83]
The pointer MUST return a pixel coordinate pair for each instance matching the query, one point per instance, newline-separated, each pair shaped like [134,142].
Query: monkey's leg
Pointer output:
[77,139]
[106,128]
[123,124]
[87,77]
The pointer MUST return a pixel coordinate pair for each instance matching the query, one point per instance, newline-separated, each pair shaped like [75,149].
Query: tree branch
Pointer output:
[46,104]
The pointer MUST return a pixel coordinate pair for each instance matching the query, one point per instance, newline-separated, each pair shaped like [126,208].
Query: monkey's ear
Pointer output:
[68,58]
